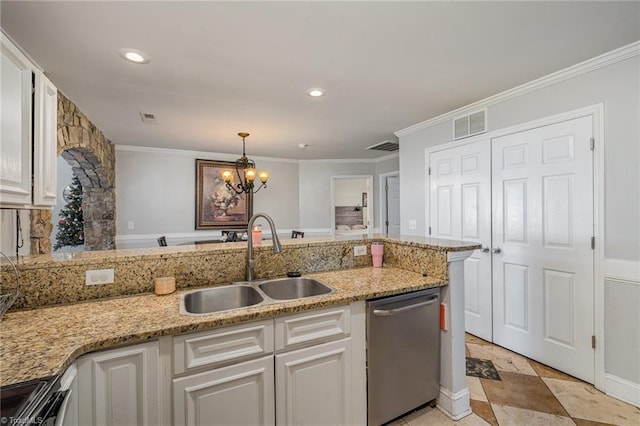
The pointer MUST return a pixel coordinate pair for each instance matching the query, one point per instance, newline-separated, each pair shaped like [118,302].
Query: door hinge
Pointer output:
[593,144]
[593,243]
[429,170]
[593,342]
[429,230]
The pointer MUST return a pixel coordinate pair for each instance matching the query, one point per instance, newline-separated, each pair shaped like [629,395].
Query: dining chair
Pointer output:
[296,234]
[162,241]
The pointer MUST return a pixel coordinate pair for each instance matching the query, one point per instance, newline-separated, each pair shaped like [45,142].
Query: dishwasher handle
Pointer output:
[391,312]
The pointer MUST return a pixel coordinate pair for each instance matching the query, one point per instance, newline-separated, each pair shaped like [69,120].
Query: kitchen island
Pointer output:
[44,340]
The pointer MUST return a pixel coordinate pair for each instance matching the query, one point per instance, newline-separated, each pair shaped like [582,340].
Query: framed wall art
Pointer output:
[218,207]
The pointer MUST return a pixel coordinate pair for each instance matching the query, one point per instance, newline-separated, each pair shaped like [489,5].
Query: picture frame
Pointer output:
[365,197]
[218,207]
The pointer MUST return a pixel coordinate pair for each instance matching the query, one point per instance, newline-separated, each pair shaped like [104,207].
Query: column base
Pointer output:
[455,405]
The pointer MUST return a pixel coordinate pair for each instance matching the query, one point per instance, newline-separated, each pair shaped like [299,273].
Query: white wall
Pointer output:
[617,86]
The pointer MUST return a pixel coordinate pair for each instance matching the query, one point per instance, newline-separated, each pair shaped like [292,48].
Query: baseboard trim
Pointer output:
[454,405]
[622,389]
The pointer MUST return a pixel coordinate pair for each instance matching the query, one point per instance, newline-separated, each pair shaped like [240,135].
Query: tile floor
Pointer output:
[528,393]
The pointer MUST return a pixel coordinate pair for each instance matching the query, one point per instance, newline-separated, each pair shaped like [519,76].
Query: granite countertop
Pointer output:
[42,342]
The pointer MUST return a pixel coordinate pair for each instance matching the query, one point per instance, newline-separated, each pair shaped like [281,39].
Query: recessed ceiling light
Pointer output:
[134,55]
[316,92]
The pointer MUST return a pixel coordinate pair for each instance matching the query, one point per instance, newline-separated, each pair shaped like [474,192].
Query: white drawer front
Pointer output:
[307,327]
[215,347]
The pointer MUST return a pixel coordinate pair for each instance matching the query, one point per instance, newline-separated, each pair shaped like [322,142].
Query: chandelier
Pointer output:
[246,171]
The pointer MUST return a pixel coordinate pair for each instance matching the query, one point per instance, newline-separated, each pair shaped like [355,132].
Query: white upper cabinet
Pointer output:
[45,144]
[28,132]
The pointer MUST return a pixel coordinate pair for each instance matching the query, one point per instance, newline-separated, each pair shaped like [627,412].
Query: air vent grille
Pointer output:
[149,117]
[469,125]
[385,146]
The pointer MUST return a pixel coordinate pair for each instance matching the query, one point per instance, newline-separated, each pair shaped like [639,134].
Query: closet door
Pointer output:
[542,257]
[460,209]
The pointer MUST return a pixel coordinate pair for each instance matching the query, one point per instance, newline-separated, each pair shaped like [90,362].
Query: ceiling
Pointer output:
[219,68]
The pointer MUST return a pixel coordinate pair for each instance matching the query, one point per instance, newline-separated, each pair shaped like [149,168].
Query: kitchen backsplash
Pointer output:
[56,279]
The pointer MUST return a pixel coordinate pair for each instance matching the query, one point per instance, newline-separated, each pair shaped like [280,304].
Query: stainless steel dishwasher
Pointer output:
[403,354]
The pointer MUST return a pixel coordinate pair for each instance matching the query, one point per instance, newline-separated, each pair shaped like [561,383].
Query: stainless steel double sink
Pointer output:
[250,293]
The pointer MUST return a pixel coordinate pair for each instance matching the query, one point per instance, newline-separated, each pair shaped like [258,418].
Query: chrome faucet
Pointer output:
[277,247]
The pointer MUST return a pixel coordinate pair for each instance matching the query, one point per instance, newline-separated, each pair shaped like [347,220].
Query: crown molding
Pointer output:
[233,157]
[573,71]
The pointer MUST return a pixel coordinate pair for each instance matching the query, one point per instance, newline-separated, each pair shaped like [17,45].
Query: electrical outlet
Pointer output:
[360,250]
[99,276]
[413,224]
[130,224]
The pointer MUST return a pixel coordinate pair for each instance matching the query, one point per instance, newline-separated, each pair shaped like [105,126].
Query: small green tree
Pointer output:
[71,224]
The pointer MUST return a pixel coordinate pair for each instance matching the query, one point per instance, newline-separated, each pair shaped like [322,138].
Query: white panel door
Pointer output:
[313,385]
[543,261]
[393,205]
[240,394]
[460,204]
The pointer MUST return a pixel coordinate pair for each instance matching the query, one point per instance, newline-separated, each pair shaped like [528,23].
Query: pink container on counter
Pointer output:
[377,251]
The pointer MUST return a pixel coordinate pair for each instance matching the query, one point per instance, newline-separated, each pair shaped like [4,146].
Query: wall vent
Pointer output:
[149,117]
[385,146]
[469,125]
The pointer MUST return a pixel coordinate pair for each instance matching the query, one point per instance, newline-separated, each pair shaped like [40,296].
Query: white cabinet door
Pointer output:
[45,144]
[313,385]
[460,209]
[240,394]
[120,386]
[15,125]
[543,224]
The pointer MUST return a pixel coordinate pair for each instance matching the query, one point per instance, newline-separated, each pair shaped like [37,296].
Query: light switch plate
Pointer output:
[99,276]
[360,250]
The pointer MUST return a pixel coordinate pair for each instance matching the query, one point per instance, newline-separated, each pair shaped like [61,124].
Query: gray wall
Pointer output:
[315,187]
[622,317]
[156,190]
[618,87]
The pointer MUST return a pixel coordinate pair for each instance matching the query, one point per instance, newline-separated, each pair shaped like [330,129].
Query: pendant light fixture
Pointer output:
[245,170]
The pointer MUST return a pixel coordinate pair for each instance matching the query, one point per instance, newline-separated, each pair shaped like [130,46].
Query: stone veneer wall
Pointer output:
[92,158]
[48,282]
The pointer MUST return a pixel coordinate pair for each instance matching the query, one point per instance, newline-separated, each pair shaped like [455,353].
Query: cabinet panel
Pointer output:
[15,128]
[313,385]
[215,347]
[120,386]
[307,327]
[45,145]
[240,394]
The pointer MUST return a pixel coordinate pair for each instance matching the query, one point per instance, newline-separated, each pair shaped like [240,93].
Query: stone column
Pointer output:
[454,399]
[41,228]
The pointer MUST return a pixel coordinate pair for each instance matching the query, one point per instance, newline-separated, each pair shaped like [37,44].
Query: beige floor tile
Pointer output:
[484,411]
[583,401]
[502,359]
[545,371]
[507,416]
[470,338]
[475,389]
[434,417]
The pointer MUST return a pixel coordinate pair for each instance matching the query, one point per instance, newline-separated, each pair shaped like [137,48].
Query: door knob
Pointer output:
[496,250]
[485,249]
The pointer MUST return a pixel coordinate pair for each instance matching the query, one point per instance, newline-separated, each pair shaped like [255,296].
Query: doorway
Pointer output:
[528,198]
[351,204]
[390,203]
